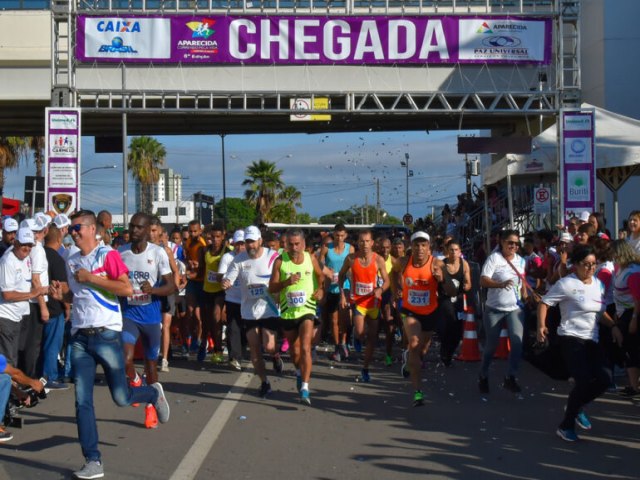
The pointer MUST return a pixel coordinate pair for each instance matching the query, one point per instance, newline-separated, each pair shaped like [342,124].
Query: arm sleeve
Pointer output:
[233,271]
[489,267]
[39,262]
[225,261]
[555,295]
[605,276]
[634,284]
[114,266]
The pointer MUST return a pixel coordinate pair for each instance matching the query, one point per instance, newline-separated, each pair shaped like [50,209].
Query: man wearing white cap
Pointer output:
[62,222]
[17,290]
[417,278]
[31,328]
[232,299]
[259,310]
[9,229]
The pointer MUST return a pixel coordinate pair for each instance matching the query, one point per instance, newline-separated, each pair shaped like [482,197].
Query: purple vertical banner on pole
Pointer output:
[62,160]
[578,162]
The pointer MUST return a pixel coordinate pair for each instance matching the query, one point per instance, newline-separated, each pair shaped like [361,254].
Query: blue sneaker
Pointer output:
[202,353]
[583,421]
[195,345]
[357,346]
[364,375]
[298,382]
[568,435]
[304,397]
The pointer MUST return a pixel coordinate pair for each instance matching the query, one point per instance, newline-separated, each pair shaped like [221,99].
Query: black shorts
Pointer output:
[213,297]
[270,323]
[386,298]
[429,323]
[332,303]
[294,324]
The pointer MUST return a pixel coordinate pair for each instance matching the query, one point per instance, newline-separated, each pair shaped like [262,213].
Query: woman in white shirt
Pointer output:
[502,275]
[581,297]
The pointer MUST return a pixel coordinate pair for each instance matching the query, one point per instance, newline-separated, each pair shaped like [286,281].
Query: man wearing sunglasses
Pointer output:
[97,276]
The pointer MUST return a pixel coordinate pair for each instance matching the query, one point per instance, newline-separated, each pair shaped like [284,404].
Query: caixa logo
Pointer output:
[501,41]
[120,26]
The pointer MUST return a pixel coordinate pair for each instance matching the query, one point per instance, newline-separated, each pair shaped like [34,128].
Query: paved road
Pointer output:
[220,429]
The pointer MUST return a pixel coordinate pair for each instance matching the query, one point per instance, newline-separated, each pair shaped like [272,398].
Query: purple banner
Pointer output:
[578,171]
[319,40]
[62,160]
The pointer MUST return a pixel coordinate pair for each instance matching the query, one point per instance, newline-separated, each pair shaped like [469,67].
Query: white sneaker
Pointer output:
[164,365]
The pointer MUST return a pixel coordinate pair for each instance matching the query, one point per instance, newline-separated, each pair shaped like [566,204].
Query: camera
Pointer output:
[27,397]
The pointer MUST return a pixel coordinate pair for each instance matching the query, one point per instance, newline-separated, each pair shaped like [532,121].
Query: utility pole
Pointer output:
[377,200]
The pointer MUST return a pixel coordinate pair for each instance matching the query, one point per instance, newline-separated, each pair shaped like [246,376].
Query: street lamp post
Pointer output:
[224,185]
[409,173]
[104,167]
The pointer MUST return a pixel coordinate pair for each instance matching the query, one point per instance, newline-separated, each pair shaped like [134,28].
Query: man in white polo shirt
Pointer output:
[16,291]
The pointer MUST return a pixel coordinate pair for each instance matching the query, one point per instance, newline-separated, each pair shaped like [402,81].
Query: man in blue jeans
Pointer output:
[8,373]
[96,277]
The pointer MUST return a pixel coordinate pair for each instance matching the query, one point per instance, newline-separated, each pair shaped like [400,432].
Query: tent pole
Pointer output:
[487,220]
[616,218]
[510,199]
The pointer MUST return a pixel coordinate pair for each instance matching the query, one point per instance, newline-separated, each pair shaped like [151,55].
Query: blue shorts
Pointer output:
[151,334]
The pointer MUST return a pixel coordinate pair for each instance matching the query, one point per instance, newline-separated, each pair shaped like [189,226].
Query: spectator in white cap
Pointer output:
[62,222]
[17,290]
[232,299]
[32,326]
[42,218]
[9,229]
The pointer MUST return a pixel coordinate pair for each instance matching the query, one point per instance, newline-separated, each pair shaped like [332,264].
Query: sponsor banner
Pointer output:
[319,40]
[304,104]
[62,161]
[577,155]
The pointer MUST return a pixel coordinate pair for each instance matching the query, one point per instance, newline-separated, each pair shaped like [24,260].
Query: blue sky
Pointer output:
[333,171]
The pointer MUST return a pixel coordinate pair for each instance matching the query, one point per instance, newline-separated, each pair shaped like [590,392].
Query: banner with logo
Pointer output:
[319,40]
[62,160]
[577,161]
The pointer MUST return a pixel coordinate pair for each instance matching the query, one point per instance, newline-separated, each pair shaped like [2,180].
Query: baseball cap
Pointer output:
[25,236]
[9,225]
[238,236]
[61,220]
[584,216]
[420,236]
[32,224]
[252,233]
[42,218]
[566,237]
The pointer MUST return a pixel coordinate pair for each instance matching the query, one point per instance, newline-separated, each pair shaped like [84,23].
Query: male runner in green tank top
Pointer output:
[299,279]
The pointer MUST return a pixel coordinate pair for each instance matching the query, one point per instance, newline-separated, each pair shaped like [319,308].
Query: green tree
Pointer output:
[240,214]
[263,183]
[305,219]
[146,155]
[12,150]
[36,145]
[285,209]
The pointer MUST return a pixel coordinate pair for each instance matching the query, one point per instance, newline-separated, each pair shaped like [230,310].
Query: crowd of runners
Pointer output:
[75,295]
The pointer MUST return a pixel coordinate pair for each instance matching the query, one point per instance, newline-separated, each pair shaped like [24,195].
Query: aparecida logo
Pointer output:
[202,29]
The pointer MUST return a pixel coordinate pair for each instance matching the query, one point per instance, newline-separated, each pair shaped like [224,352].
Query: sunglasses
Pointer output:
[512,243]
[77,227]
[588,265]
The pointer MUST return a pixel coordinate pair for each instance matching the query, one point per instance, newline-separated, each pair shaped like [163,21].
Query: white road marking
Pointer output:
[192,461]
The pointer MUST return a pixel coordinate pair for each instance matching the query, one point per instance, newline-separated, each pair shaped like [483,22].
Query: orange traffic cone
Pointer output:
[504,346]
[470,351]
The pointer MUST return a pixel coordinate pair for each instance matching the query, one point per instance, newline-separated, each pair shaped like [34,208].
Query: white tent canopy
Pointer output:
[617,145]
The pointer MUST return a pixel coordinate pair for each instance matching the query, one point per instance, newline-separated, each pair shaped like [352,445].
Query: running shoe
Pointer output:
[344,351]
[298,382]
[137,382]
[418,398]
[90,470]
[388,360]
[195,345]
[568,435]
[284,348]
[511,384]
[364,375]
[164,365]
[235,364]
[583,421]
[57,386]
[161,405]
[357,345]
[265,390]
[217,358]
[483,384]
[629,392]
[278,364]
[335,356]
[150,417]
[304,397]
[5,436]
[404,370]
[202,353]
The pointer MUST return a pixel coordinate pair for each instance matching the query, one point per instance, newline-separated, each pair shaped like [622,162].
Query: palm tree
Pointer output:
[36,145]
[12,150]
[263,182]
[291,198]
[146,154]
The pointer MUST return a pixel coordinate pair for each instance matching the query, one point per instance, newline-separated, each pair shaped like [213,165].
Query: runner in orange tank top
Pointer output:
[366,295]
[417,277]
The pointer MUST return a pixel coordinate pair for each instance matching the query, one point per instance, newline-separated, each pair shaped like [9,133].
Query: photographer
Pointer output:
[7,374]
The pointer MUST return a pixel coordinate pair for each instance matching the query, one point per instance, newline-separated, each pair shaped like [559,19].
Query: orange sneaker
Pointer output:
[136,383]
[150,417]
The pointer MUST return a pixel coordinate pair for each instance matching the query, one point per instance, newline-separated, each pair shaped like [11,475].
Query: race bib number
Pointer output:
[257,290]
[212,277]
[334,278]
[419,298]
[296,299]
[139,298]
[362,289]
